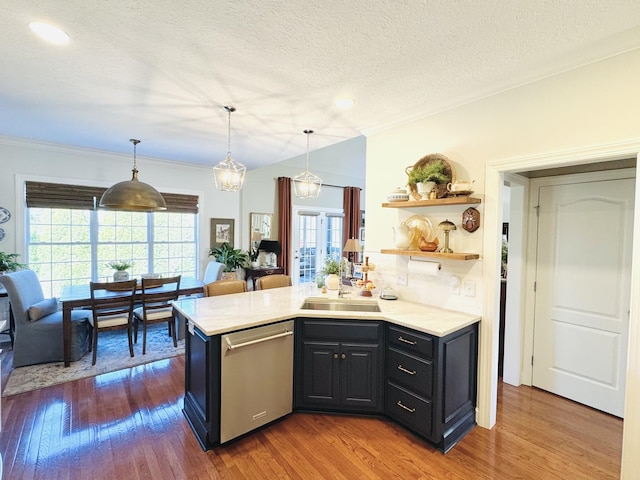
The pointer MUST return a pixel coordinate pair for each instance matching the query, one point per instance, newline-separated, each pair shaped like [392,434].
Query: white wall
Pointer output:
[23,159]
[341,164]
[593,105]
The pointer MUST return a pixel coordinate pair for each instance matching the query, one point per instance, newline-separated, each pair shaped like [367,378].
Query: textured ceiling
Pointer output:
[162,70]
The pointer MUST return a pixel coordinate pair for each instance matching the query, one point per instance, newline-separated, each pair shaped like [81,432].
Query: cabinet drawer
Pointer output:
[409,409]
[411,341]
[332,330]
[411,372]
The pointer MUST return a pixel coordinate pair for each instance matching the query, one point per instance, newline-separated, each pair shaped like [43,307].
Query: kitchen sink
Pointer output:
[338,306]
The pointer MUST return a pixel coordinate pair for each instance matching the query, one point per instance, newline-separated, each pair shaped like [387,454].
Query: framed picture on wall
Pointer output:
[221,231]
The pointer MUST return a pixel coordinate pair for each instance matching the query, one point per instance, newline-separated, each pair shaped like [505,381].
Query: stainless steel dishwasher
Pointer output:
[256,378]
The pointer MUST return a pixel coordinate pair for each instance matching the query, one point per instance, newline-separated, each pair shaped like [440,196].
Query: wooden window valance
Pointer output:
[59,195]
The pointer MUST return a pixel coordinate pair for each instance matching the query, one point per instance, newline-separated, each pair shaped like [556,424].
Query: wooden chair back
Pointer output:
[158,294]
[112,308]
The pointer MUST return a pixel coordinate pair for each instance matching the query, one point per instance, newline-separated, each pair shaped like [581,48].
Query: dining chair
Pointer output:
[158,295]
[273,281]
[112,305]
[223,287]
[38,322]
[213,272]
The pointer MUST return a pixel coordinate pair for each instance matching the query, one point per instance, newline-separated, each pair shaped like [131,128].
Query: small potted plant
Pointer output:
[8,262]
[233,259]
[426,177]
[120,267]
[253,254]
[331,272]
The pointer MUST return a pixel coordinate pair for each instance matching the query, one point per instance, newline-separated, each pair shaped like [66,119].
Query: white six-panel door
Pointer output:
[583,290]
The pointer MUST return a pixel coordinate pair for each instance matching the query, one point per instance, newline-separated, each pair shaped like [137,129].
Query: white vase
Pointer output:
[120,276]
[332,281]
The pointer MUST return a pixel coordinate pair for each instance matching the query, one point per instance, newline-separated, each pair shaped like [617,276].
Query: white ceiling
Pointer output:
[162,70]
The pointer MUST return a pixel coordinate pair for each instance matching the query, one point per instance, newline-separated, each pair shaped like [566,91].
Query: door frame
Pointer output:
[489,326]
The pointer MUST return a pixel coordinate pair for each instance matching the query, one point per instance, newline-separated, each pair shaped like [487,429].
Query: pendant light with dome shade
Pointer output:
[306,184]
[133,195]
[228,174]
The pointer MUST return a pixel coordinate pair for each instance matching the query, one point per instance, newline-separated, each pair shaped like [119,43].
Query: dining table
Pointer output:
[79,296]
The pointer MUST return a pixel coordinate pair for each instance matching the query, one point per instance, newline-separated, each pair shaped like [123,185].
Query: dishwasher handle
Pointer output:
[231,346]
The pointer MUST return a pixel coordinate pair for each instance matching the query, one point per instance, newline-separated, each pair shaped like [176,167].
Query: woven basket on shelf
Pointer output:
[441,189]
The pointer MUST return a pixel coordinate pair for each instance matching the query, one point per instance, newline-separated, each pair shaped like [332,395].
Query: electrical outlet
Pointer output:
[402,279]
[454,285]
[469,288]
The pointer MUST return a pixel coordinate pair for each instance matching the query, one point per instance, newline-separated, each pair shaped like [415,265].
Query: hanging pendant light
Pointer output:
[133,195]
[307,185]
[229,175]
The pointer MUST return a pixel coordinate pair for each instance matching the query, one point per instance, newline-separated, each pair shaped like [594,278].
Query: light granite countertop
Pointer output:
[227,313]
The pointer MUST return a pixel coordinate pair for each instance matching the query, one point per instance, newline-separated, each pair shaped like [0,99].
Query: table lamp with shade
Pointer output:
[272,249]
[352,246]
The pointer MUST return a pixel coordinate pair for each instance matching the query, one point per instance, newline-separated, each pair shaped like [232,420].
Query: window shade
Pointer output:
[59,195]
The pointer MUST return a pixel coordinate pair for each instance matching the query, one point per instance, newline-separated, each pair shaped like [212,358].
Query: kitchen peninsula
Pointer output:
[413,363]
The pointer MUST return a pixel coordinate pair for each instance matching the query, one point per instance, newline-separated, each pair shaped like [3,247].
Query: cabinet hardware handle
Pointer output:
[344,355]
[410,342]
[402,369]
[410,410]
[335,355]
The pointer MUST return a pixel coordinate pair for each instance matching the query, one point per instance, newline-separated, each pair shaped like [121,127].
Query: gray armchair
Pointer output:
[40,341]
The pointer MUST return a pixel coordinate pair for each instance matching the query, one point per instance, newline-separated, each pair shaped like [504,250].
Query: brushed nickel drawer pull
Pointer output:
[410,410]
[410,342]
[402,369]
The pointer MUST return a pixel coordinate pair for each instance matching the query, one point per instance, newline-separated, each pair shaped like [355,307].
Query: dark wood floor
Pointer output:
[129,425]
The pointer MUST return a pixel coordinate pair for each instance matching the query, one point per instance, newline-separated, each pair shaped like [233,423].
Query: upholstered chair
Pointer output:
[273,281]
[224,287]
[213,272]
[38,323]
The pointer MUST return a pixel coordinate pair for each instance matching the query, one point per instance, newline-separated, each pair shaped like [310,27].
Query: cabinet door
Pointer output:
[320,375]
[360,376]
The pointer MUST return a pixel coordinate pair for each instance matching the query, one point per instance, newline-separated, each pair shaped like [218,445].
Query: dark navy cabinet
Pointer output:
[431,383]
[339,365]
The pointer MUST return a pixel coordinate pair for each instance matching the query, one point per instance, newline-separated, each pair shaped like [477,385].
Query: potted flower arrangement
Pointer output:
[233,259]
[331,271]
[120,267]
[426,177]
[8,262]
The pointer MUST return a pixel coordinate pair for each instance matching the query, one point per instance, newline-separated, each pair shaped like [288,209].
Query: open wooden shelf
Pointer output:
[420,253]
[462,200]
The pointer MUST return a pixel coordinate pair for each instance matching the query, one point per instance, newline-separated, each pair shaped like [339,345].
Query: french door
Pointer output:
[316,235]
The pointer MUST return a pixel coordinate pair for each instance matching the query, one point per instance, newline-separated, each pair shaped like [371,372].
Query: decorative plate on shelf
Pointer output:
[423,228]
[5,215]
[441,190]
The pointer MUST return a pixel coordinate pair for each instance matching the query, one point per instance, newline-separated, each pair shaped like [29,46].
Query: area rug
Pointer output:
[113,354]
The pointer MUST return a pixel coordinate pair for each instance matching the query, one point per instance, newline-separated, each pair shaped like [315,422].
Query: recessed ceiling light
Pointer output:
[49,33]
[344,103]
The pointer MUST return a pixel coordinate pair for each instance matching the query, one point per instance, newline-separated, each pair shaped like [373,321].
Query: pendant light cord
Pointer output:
[308,132]
[229,110]
[135,143]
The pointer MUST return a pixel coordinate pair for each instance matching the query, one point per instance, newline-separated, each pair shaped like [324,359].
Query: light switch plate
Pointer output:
[402,279]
